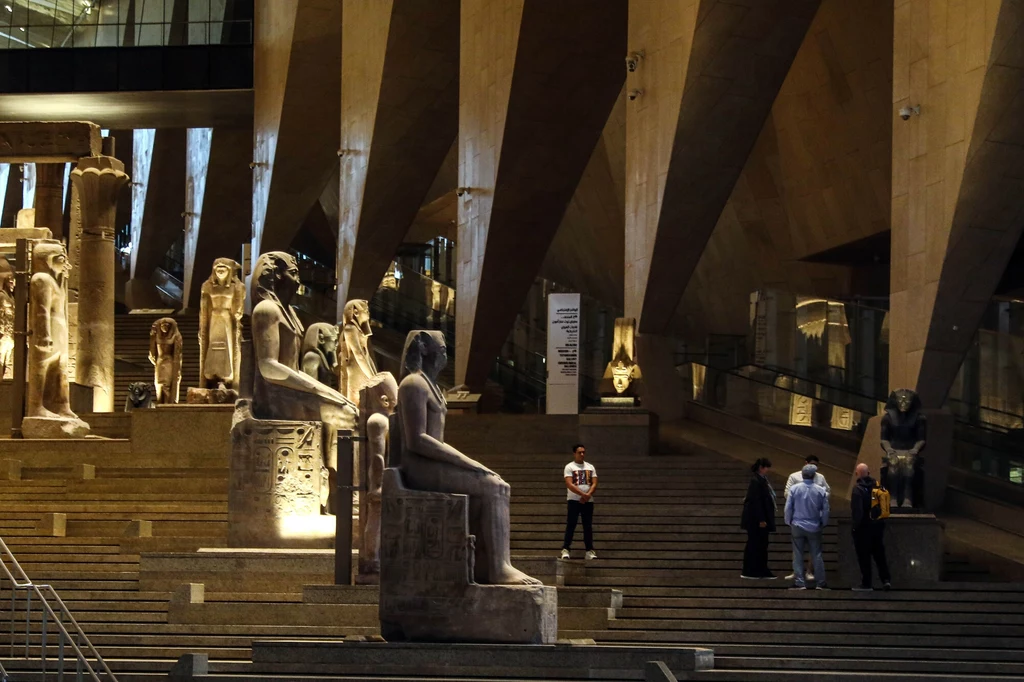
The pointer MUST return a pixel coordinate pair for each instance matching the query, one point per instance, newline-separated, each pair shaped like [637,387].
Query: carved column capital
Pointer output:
[98,180]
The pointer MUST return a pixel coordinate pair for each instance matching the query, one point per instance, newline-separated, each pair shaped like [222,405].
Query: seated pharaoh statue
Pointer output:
[903,431]
[427,463]
[282,439]
[281,390]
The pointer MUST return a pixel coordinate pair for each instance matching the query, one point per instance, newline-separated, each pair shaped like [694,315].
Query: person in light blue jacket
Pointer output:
[807,516]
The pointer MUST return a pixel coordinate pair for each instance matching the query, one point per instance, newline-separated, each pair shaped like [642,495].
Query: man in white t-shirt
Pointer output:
[581,484]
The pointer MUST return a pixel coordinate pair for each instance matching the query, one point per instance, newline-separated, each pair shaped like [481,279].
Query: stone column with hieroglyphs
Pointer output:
[98,181]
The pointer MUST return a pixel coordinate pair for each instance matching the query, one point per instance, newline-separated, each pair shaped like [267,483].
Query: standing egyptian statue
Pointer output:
[622,373]
[165,353]
[6,319]
[48,396]
[320,352]
[356,362]
[220,326]
[904,429]
[427,463]
[376,405]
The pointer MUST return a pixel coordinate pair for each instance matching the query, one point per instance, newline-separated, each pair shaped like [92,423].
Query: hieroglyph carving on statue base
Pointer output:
[48,405]
[165,349]
[276,480]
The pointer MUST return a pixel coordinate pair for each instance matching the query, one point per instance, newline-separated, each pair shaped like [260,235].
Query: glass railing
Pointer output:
[990,453]
[989,388]
[839,343]
[121,23]
[832,415]
[994,458]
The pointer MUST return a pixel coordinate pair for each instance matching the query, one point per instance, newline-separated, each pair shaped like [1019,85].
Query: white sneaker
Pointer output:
[591,554]
[565,554]
[791,576]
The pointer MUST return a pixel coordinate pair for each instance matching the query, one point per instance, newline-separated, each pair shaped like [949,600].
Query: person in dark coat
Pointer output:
[759,521]
[868,532]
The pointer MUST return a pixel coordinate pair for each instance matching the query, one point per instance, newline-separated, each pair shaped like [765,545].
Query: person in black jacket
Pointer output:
[759,521]
[868,532]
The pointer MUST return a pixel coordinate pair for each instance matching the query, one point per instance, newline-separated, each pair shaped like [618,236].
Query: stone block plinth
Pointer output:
[427,592]
[547,662]
[914,545]
[617,431]
[278,483]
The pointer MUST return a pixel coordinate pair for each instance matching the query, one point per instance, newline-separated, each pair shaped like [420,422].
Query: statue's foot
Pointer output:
[44,413]
[68,414]
[510,575]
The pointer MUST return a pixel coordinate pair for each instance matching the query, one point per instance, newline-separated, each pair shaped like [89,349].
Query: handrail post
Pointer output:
[78,659]
[60,658]
[28,619]
[42,641]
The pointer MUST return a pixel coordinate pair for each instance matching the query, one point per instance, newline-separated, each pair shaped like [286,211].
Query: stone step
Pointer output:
[785,604]
[927,592]
[783,618]
[98,508]
[835,676]
[867,665]
[771,638]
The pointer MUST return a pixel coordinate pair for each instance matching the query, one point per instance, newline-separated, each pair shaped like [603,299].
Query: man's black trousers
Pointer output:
[868,540]
[574,511]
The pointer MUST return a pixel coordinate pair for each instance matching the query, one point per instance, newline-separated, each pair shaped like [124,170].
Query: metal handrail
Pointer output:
[79,643]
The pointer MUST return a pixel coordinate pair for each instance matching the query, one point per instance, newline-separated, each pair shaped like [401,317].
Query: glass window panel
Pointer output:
[150,34]
[106,36]
[197,34]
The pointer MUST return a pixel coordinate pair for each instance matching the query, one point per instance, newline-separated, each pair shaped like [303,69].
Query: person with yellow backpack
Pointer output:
[869,507]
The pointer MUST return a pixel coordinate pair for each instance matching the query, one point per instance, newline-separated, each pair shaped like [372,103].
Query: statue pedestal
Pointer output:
[617,431]
[211,396]
[54,427]
[427,593]
[914,545]
[277,483]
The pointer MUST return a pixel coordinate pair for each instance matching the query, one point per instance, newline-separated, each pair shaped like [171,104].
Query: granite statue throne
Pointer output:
[427,591]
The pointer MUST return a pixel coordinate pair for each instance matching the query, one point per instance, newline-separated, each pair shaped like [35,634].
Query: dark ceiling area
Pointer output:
[869,251]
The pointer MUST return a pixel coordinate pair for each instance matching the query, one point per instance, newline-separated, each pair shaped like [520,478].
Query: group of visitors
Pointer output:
[806,512]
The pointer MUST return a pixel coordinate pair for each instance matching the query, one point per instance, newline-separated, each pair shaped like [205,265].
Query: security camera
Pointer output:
[633,60]
[907,112]
[633,94]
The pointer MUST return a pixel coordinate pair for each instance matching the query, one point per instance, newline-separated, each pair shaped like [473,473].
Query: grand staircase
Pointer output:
[667,536]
